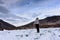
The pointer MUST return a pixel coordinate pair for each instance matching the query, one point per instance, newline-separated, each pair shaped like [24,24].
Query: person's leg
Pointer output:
[37,27]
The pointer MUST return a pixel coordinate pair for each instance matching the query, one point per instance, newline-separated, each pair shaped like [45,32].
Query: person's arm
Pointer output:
[39,24]
[33,24]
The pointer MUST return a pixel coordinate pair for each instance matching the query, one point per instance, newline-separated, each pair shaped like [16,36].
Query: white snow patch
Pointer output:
[31,34]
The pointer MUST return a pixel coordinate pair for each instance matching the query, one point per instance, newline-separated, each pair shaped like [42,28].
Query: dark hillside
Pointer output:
[52,21]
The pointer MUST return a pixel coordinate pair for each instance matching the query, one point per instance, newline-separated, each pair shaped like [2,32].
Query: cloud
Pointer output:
[12,16]
[3,10]
[1,2]
[28,2]
[13,19]
[24,11]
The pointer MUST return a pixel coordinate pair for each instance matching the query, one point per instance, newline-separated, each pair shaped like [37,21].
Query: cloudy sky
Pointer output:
[20,12]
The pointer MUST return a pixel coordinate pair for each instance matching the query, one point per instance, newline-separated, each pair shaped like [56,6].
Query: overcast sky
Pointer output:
[20,12]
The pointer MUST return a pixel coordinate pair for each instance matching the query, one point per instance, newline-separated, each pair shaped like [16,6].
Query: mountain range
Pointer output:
[48,22]
[5,25]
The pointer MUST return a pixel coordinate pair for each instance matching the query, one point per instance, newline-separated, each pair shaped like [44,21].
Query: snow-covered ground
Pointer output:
[31,34]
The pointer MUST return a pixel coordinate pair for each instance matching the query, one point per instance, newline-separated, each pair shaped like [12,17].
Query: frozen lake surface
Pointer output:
[31,34]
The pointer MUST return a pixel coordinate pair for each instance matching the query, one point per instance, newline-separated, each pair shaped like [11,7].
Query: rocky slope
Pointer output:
[52,21]
[48,22]
[5,25]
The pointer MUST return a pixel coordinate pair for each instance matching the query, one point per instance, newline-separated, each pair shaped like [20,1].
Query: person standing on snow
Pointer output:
[36,24]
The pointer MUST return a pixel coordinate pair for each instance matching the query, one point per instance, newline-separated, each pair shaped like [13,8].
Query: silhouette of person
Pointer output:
[36,24]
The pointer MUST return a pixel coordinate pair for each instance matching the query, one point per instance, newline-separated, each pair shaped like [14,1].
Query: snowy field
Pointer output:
[31,34]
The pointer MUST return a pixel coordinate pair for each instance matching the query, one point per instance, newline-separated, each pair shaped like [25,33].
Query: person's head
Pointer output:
[37,18]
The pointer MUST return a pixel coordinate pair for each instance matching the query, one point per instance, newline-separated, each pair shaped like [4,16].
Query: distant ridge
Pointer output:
[5,25]
[51,21]
[48,22]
